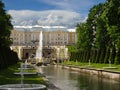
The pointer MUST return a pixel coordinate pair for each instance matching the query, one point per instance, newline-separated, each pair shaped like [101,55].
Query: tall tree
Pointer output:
[83,42]
[98,25]
[5,26]
[112,14]
[7,56]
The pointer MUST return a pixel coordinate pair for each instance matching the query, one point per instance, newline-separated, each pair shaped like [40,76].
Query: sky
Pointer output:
[49,12]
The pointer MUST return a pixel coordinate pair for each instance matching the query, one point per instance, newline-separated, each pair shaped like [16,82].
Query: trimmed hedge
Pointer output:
[96,56]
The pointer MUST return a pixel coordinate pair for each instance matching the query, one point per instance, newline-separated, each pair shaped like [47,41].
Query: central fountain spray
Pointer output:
[39,50]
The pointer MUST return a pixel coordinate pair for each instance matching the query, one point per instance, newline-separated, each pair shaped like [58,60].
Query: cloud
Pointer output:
[81,6]
[49,17]
[59,12]
[73,5]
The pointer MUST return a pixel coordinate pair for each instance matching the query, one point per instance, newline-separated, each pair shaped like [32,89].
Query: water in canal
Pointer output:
[66,79]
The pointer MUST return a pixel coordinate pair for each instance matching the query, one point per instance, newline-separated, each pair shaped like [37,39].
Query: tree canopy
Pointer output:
[5,26]
[101,32]
[7,56]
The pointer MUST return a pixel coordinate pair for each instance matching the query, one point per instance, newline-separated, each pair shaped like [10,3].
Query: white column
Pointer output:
[19,39]
[62,38]
[66,52]
[11,47]
[50,38]
[35,36]
[67,38]
[53,38]
[19,52]
[58,54]
[23,38]
[32,36]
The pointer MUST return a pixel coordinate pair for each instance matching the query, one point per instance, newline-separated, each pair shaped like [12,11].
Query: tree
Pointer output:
[102,40]
[7,56]
[5,27]
[112,15]
[84,42]
[101,32]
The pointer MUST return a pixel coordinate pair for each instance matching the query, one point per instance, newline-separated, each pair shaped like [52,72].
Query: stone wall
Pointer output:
[101,73]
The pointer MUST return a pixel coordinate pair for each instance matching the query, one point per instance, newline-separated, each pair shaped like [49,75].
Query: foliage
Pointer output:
[5,27]
[99,36]
[71,48]
[7,57]
[84,39]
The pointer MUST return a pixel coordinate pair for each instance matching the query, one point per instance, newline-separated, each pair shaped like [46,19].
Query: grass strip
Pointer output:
[7,77]
[93,65]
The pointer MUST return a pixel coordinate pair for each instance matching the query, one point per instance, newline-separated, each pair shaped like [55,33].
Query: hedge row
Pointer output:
[7,57]
[96,56]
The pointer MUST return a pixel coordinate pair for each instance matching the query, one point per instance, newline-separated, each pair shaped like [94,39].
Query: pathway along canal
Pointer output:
[66,79]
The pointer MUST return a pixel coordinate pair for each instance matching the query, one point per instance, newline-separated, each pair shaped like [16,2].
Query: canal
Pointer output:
[66,79]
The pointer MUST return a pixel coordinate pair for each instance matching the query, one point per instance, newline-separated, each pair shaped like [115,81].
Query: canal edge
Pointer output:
[100,73]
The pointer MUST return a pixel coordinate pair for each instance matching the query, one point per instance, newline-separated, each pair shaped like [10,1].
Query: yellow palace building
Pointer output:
[54,40]
[52,36]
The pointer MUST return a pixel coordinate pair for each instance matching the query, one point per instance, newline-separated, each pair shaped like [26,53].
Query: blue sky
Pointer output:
[80,7]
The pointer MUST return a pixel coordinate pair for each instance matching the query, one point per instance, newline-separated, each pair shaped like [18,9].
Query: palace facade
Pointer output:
[52,36]
[54,41]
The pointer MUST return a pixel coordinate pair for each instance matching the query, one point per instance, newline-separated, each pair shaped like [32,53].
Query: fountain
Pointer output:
[58,55]
[110,66]
[23,69]
[89,62]
[76,62]
[23,86]
[66,53]
[22,75]
[26,65]
[39,50]
[109,63]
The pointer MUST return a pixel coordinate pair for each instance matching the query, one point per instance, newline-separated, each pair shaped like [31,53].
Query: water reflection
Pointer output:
[72,80]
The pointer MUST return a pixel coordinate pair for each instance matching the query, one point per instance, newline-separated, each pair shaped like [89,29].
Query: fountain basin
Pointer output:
[26,73]
[23,87]
[26,68]
[109,67]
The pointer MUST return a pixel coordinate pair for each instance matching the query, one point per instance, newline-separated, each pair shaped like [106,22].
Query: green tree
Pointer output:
[98,26]
[7,56]
[5,27]
[112,15]
[98,30]
[83,42]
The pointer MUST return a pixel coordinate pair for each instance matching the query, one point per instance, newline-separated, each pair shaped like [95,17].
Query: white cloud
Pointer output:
[73,5]
[81,6]
[50,17]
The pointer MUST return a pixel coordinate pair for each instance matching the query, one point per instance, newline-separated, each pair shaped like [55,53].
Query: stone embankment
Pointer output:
[101,73]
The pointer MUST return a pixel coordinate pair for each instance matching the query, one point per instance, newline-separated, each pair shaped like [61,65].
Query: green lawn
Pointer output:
[93,65]
[7,77]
